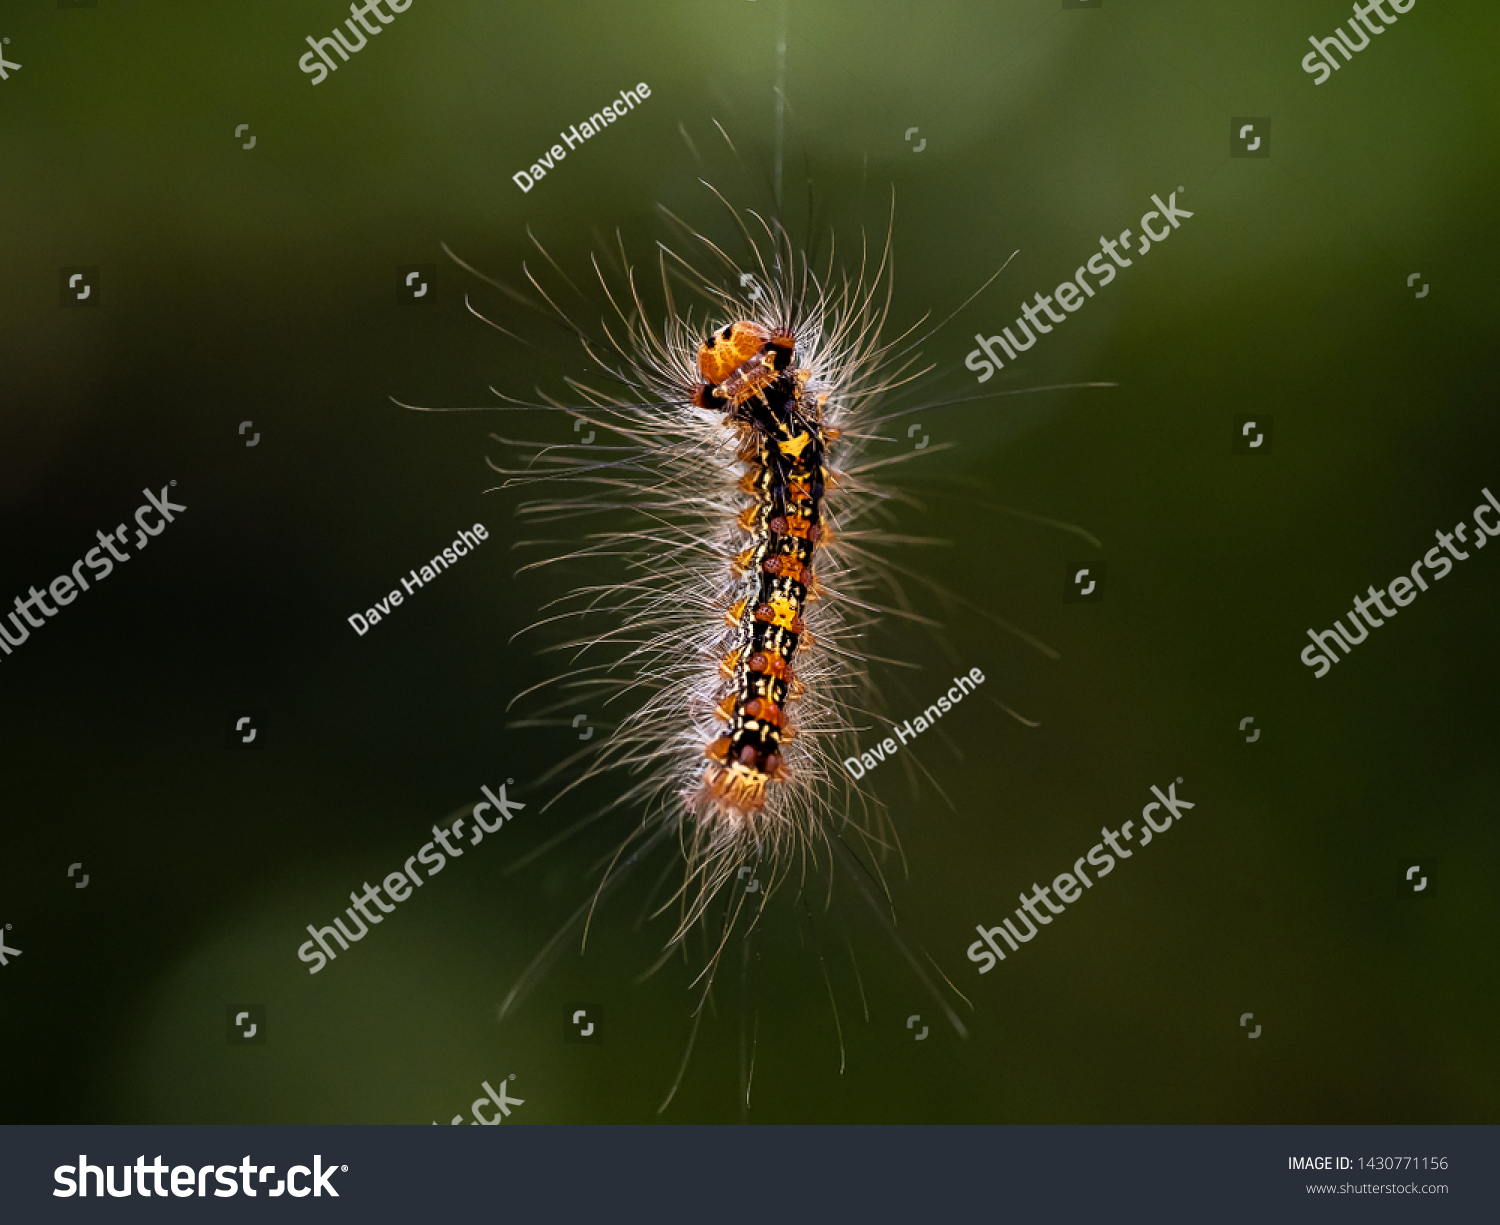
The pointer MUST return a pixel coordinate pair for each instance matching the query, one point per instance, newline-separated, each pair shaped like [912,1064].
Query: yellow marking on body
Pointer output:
[783,612]
[795,447]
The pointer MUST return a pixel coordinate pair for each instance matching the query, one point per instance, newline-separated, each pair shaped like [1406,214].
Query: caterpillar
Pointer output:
[750,376]
[746,541]
[733,572]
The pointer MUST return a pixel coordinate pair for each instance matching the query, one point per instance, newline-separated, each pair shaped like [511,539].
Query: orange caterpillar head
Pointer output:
[742,359]
[725,351]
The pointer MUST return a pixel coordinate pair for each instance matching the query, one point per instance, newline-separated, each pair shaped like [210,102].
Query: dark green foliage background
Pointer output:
[260,285]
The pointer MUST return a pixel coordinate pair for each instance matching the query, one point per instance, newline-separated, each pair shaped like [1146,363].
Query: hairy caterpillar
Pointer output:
[732,567]
[748,546]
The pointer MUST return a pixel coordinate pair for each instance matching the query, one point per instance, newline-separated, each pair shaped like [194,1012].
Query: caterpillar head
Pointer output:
[741,359]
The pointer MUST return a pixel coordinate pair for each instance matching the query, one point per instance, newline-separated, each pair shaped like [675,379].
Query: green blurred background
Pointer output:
[261,285]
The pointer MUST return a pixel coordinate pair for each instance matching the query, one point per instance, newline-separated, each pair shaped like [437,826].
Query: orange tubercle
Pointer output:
[789,567]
